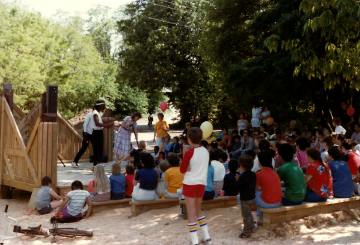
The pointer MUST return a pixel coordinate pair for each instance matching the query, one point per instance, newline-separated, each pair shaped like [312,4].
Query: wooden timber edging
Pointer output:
[273,216]
[142,207]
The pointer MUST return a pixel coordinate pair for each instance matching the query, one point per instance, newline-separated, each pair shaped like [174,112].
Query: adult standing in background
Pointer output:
[265,114]
[97,138]
[87,132]
[123,137]
[161,129]
[256,113]
[242,123]
[346,120]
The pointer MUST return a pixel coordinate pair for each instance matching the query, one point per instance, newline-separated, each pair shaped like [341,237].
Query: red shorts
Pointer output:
[193,191]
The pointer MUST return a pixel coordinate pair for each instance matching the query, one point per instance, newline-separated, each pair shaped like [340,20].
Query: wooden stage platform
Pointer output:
[66,175]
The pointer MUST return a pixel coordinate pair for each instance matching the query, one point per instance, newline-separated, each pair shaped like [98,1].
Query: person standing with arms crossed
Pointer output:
[195,166]
[97,138]
[86,138]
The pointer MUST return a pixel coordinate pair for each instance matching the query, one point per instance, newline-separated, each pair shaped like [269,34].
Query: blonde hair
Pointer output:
[103,182]
[115,169]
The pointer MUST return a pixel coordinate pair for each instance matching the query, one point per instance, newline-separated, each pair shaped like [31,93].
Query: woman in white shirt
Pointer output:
[256,113]
[242,123]
[338,128]
[265,114]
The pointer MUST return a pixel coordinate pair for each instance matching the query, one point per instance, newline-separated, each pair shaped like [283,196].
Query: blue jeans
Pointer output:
[259,203]
[287,202]
[236,155]
[311,196]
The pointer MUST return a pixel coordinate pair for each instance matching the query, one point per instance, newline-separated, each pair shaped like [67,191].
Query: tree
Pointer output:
[161,49]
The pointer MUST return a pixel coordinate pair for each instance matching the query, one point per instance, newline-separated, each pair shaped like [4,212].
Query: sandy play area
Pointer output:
[164,227]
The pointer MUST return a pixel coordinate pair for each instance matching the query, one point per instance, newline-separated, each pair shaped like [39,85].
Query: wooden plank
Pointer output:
[9,167]
[21,143]
[14,152]
[2,139]
[62,157]
[68,125]
[43,128]
[55,127]
[39,148]
[142,207]
[33,133]
[19,185]
[110,205]
[48,152]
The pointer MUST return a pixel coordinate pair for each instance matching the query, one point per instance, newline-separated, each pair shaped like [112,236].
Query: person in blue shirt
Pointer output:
[209,188]
[342,180]
[230,182]
[118,183]
[175,148]
[167,144]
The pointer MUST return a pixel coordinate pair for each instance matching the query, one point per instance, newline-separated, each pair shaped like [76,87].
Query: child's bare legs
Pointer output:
[191,210]
[56,204]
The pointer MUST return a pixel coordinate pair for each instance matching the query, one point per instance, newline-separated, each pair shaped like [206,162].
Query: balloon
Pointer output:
[163,106]
[91,183]
[270,121]
[206,128]
[350,111]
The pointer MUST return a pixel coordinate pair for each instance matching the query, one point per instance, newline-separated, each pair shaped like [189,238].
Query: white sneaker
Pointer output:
[206,242]
[73,164]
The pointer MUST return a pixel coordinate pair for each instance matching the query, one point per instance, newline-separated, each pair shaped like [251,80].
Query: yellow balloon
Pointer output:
[207,129]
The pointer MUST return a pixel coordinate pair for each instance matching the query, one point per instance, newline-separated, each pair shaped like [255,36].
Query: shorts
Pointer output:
[193,191]
[45,210]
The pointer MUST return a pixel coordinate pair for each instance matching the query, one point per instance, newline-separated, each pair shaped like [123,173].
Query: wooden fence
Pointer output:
[29,148]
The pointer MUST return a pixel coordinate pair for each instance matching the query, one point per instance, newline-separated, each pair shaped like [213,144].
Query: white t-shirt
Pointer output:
[256,113]
[264,114]
[95,112]
[87,123]
[77,201]
[340,130]
[324,154]
[256,165]
[219,170]
[198,160]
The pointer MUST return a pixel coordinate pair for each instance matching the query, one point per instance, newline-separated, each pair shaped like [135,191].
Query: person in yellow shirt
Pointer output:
[173,179]
[161,129]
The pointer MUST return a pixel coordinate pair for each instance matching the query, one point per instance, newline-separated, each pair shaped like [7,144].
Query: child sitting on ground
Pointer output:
[118,183]
[230,182]
[223,158]
[195,166]
[173,179]
[219,172]
[43,202]
[209,188]
[182,143]
[102,187]
[167,144]
[129,177]
[156,152]
[70,210]
[246,187]
[164,166]
[175,148]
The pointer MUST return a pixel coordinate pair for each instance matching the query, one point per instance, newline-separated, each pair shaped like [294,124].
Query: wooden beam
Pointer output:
[61,156]
[20,185]
[62,118]
[2,139]
[9,167]
[32,136]
[13,152]
[21,143]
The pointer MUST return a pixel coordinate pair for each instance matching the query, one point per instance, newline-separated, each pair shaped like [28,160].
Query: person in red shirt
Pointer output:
[268,184]
[318,177]
[129,177]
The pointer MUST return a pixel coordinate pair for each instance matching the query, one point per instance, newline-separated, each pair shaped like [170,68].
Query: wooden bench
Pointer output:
[112,204]
[273,216]
[220,202]
[142,207]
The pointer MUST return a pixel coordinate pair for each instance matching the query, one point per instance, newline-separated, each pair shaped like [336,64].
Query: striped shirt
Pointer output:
[77,201]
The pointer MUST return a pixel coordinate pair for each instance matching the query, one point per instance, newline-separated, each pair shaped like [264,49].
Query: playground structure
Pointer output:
[32,144]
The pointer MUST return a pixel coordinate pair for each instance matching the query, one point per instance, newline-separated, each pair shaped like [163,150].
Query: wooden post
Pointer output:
[9,95]
[108,140]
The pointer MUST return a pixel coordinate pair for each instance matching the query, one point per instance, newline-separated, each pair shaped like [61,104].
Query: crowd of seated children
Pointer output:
[71,209]
[209,193]
[353,161]
[224,136]
[102,187]
[219,172]
[156,152]
[164,166]
[223,158]
[264,145]
[173,179]
[301,146]
[236,146]
[223,147]
[230,182]
[43,203]
[136,153]
[117,182]
[145,181]
[167,144]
